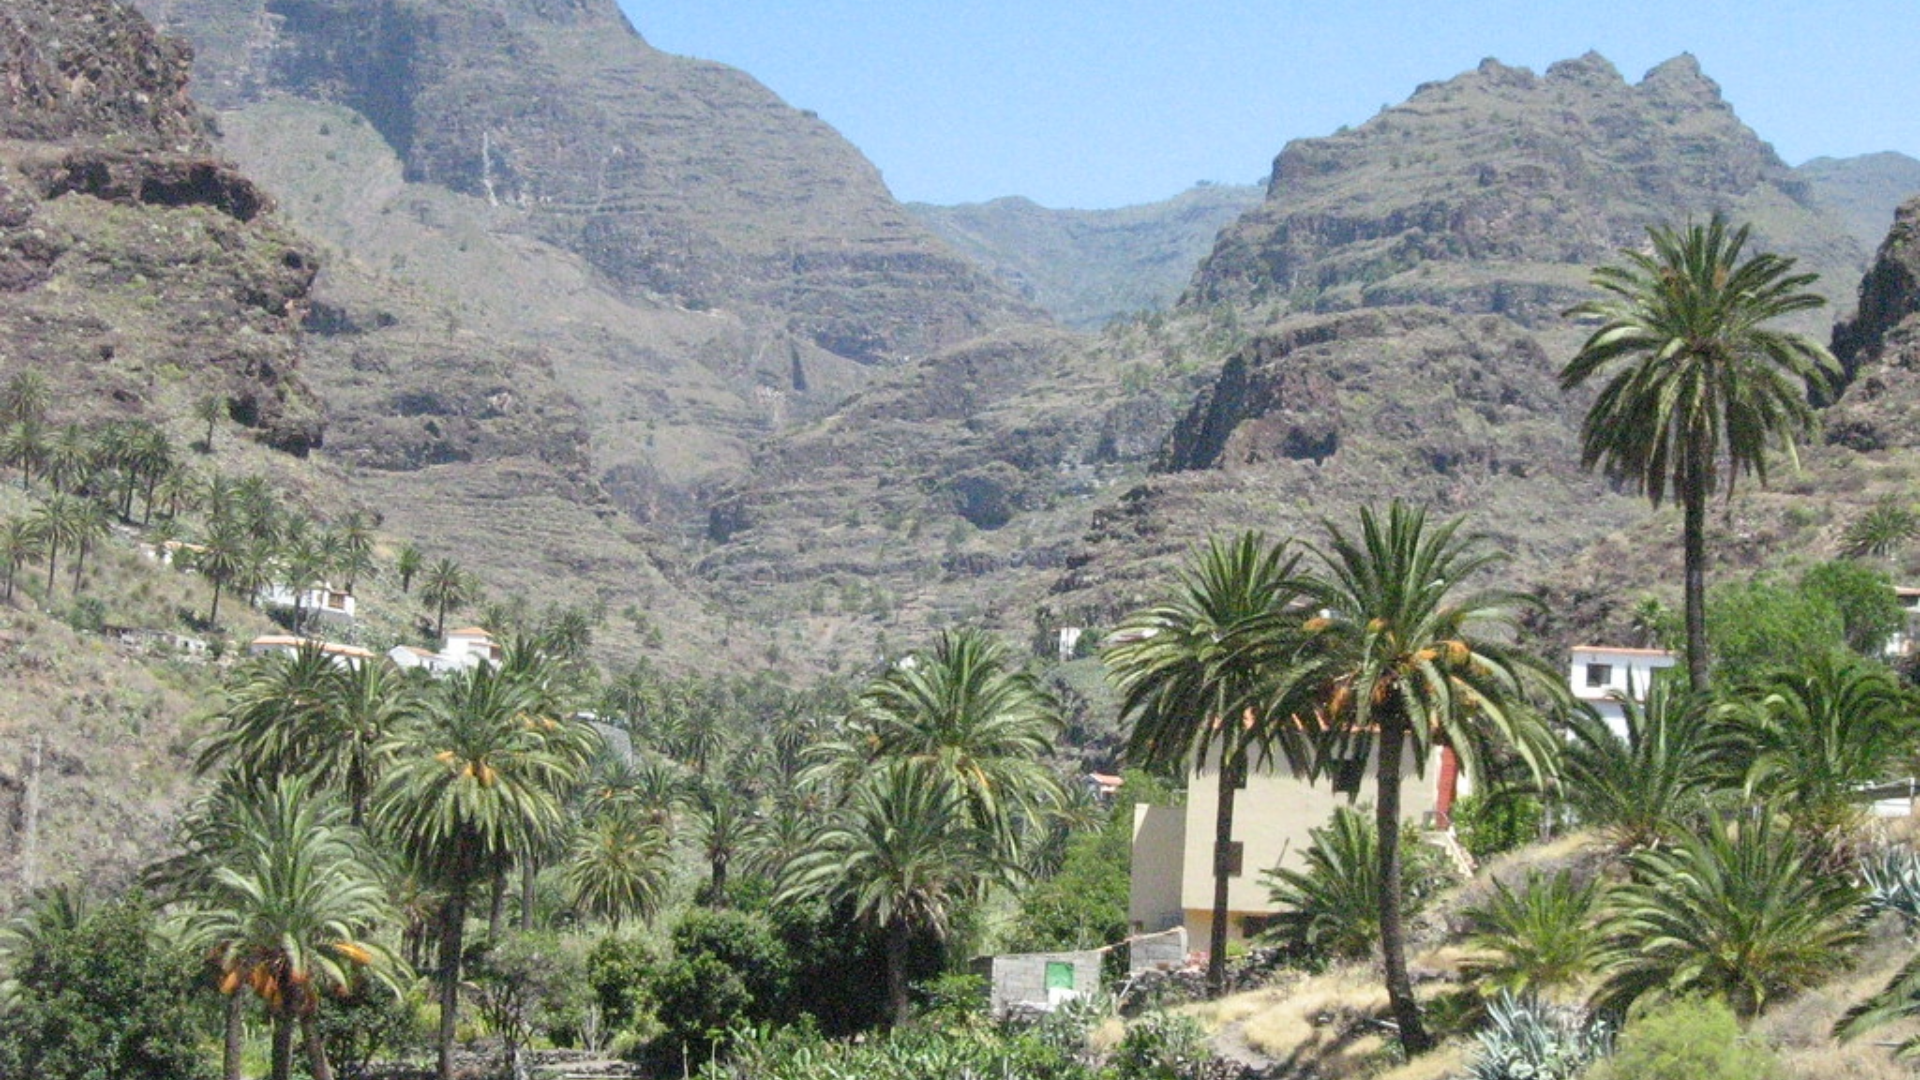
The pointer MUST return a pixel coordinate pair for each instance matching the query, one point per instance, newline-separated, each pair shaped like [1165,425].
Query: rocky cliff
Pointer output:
[1494,191]
[135,266]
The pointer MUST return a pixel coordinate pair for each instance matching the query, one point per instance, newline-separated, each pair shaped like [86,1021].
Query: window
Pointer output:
[1228,857]
[1599,674]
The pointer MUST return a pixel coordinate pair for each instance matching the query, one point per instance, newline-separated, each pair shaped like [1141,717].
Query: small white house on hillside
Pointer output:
[323,602]
[463,649]
[1601,675]
[284,645]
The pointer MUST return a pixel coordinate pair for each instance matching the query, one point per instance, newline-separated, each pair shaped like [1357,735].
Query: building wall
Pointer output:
[1159,840]
[1271,818]
[1019,980]
[1598,675]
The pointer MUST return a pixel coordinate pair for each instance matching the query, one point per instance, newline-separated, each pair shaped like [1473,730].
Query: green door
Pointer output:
[1059,976]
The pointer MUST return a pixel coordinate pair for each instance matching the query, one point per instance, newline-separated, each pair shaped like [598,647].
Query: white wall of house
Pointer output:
[1602,674]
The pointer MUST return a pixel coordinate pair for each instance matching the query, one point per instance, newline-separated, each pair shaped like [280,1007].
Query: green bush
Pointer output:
[1689,1039]
[728,970]
[98,995]
[1491,824]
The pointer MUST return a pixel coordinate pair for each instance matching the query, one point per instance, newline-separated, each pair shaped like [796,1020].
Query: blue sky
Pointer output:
[1096,103]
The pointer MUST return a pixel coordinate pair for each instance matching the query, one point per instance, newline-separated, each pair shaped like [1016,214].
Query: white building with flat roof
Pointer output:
[1603,675]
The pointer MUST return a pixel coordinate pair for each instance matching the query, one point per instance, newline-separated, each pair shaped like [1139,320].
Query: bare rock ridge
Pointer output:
[1492,191]
[126,249]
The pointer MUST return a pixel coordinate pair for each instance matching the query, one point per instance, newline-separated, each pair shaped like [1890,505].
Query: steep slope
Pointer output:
[1865,191]
[660,261]
[1088,267]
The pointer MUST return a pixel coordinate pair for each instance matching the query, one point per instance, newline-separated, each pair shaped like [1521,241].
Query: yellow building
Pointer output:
[1172,873]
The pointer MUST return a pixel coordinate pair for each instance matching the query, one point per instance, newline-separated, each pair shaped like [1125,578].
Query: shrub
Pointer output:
[1332,905]
[1543,937]
[1690,1039]
[1489,825]
[728,970]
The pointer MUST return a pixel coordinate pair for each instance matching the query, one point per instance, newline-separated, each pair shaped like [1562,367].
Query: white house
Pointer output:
[283,645]
[323,601]
[1601,675]
[1900,644]
[464,649]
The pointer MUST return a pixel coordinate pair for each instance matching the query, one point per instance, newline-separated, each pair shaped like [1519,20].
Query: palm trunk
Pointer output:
[316,1048]
[234,1043]
[1693,498]
[1393,939]
[53,553]
[79,564]
[282,1045]
[1230,767]
[497,905]
[213,614]
[897,943]
[527,875]
[453,924]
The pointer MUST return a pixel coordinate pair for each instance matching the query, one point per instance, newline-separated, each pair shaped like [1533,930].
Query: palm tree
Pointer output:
[25,397]
[1736,910]
[69,458]
[616,864]
[224,557]
[368,704]
[208,409]
[275,720]
[1404,661]
[1186,684]
[968,713]
[1814,735]
[475,780]
[1898,1000]
[407,564]
[446,587]
[1640,788]
[20,543]
[53,522]
[23,445]
[1332,902]
[287,913]
[1542,938]
[1881,530]
[904,851]
[355,536]
[87,526]
[1698,389]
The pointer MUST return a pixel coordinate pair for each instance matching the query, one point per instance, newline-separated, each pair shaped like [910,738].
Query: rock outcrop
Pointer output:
[131,258]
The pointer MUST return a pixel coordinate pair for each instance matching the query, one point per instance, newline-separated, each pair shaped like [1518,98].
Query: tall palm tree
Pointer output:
[87,526]
[69,458]
[54,523]
[223,558]
[23,445]
[446,587]
[407,564]
[969,713]
[475,780]
[1698,389]
[275,721]
[288,912]
[1188,683]
[1813,735]
[905,851]
[1404,660]
[208,409]
[20,544]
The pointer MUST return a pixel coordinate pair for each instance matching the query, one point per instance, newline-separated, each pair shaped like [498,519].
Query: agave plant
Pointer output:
[1525,1040]
[1891,877]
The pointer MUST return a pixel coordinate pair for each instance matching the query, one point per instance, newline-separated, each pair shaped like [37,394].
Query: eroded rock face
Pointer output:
[674,177]
[128,254]
[1475,194]
[87,69]
[1879,348]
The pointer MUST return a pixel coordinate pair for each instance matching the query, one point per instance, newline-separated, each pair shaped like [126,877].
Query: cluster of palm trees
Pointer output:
[351,804]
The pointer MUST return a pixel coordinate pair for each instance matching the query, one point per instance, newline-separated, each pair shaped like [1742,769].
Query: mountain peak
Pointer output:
[1590,69]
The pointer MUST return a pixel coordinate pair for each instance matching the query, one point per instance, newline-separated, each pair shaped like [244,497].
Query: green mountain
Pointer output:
[1865,190]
